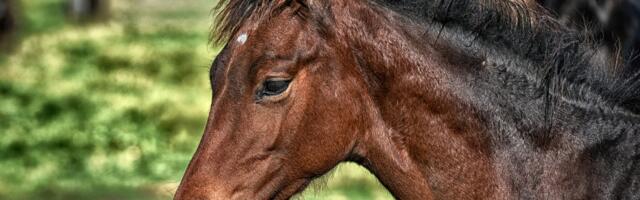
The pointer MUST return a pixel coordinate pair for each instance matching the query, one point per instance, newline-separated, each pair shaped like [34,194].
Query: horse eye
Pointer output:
[274,87]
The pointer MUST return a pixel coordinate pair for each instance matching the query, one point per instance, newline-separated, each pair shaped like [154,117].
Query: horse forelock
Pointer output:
[232,14]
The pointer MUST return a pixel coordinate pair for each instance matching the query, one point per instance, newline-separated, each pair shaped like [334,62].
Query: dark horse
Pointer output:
[457,99]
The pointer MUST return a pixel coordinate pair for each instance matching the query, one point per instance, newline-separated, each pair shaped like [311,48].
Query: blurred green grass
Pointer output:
[115,110]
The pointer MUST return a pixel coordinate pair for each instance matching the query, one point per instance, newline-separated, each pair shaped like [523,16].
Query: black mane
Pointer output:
[562,57]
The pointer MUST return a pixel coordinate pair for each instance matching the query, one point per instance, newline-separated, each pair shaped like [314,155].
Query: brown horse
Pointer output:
[457,99]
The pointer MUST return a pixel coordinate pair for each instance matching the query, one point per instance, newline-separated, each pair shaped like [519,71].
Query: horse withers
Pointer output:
[458,99]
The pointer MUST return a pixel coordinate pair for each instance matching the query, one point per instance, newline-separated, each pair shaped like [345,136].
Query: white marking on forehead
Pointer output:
[242,38]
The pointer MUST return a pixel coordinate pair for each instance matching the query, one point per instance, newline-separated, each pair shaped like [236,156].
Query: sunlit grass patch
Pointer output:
[87,108]
[347,181]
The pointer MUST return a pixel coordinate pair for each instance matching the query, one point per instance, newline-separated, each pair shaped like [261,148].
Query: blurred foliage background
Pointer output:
[112,106]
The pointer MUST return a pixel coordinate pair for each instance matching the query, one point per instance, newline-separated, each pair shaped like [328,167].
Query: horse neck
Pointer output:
[583,155]
[447,133]
[425,142]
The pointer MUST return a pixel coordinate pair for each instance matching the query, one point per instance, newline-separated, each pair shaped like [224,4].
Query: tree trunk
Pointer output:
[88,10]
[8,25]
